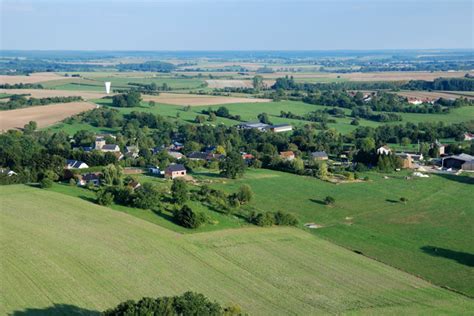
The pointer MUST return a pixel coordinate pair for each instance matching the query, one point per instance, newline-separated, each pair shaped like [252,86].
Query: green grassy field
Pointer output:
[96,83]
[368,217]
[71,256]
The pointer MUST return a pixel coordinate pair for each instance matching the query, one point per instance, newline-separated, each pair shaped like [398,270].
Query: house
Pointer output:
[287,155]
[418,101]
[99,143]
[460,162]
[75,164]
[89,178]
[177,146]
[196,155]
[254,125]
[117,155]
[441,147]
[7,172]
[319,155]
[414,101]
[468,136]
[204,156]
[131,151]
[175,154]
[134,184]
[384,150]
[175,171]
[110,148]
[210,149]
[247,157]
[281,128]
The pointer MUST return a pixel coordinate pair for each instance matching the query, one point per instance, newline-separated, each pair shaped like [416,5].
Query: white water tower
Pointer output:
[107,87]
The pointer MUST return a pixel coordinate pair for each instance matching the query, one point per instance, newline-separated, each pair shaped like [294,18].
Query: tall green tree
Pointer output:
[179,191]
[233,166]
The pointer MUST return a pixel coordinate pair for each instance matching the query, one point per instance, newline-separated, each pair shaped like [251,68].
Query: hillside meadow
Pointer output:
[63,255]
[425,236]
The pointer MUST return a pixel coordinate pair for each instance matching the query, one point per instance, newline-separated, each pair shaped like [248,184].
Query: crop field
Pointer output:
[71,256]
[435,94]
[38,77]
[373,76]
[45,115]
[426,236]
[198,100]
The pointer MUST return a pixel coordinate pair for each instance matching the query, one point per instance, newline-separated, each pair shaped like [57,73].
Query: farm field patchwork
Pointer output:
[44,116]
[88,258]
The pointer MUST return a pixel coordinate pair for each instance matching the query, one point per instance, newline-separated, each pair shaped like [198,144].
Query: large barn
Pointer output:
[462,161]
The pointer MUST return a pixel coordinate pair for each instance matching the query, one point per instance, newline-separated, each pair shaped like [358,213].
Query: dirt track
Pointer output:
[43,115]
[197,100]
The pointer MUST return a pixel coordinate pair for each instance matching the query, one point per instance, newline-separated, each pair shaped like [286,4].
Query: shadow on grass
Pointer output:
[167,217]
[321,202]
[207,174]
[87,198]
[460,178]
[56,309]
[464,258]
[391,201]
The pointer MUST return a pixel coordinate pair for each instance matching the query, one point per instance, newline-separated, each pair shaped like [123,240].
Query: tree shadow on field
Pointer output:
[56,309]
[459,178]
[464,258]
[391,201]
[317,201]
[87,198]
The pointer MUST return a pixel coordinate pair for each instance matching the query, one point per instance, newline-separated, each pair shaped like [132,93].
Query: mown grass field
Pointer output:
[368,217]
[62,254]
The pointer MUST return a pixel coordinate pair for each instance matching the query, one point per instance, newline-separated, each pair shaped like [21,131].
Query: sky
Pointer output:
[235,24]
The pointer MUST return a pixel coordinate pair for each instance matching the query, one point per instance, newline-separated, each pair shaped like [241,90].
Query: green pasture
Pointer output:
[62,255]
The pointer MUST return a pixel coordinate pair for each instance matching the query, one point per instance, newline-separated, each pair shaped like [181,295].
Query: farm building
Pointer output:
[287,155]
[407,161]
[384,150]
[254,125]
[175,171]
[281,128]
[460,162]
[319,155]
[75,164]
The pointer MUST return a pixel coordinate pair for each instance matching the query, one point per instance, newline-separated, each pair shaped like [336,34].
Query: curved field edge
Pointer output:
[58,249]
